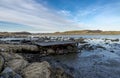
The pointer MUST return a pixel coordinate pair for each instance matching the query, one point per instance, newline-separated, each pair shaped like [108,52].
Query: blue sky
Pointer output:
[59,15]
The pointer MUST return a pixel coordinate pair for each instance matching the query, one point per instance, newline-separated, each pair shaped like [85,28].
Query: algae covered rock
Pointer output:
[1,62]
[37,70]
[50,51]
[9,73]
[59,72]
[9,56]
[17,64]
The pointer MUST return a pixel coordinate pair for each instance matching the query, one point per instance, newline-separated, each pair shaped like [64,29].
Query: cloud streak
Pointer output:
[31,13]
[103,17]
[42,18]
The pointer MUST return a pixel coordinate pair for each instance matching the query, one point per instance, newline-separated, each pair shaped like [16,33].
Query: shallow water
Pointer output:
[87,36]
[97,63]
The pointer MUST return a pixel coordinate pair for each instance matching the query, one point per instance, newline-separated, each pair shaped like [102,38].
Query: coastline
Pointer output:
[96,58]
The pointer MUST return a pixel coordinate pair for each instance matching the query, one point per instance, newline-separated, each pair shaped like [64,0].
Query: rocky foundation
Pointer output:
[13,65]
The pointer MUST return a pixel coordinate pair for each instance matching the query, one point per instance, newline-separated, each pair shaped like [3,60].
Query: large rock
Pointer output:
[9,73]
[9,56]
[37,70]
[1,62]
[50,51]
[81,40]
[17,64]
[60,73]
[71,49]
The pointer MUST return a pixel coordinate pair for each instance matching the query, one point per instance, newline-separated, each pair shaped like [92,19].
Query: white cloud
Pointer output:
[105,17]
[65,12]
[43,18]
[31,13]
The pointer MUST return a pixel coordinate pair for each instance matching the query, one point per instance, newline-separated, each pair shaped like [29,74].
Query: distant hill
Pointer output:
[89,32]
[14,33]
[76,32]
[22,33]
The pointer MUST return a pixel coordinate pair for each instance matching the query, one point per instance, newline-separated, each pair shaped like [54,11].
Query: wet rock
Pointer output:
[72,39]
[91,47]
[86,47]
[50,51]
[9,56]
[100,47]
[81,40]
[112,51]
[17,64]
[18,48]
[69,47]
[115,40]
[59,73]
[31,57]
[1,62]
[106,43]
[60,52]
[9,73]
[37,70]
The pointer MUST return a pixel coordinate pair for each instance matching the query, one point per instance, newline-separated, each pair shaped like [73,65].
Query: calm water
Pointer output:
[88,36]
[90,64]
[71,36]
[97,63]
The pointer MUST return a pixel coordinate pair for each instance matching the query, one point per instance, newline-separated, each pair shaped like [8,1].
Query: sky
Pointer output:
[59,15]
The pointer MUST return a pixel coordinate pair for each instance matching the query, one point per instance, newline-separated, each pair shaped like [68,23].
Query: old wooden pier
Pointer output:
[57,47]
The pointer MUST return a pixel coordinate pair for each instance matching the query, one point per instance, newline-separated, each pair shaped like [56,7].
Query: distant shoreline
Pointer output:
[75,32]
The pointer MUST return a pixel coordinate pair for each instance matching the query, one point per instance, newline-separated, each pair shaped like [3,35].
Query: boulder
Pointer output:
[9,56]
[61,51]
[37,70]
[1,62]
[50,51]
[59,72]
[81,40]
[115,40]
[9,73]
[71,49]
[17,64]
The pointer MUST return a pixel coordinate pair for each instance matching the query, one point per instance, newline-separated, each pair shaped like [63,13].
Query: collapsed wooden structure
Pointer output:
[57,47]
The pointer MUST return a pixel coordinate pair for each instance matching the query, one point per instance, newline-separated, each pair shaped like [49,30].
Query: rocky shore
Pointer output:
[97,58]
[13,65]
[15,48]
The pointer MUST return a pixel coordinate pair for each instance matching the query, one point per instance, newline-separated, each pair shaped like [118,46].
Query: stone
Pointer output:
[50,51]
[60,51]
[37,70]
[9,73]
[81,40]
[17,64]
[9,56]
[1,62]
[59,72]
[71,49]
[115,40]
